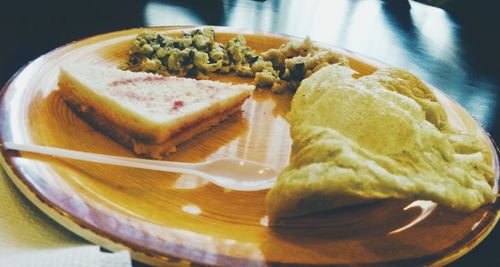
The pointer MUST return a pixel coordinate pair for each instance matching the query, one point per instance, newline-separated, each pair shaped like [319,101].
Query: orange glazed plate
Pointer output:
[164,218]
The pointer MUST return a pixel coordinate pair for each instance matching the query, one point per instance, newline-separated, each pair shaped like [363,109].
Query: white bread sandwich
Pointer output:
[147,113]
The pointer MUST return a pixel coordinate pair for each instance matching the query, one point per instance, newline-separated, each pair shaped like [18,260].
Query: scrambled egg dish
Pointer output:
[197,54]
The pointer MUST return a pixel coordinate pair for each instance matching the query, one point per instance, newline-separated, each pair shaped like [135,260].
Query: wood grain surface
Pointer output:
[180,219]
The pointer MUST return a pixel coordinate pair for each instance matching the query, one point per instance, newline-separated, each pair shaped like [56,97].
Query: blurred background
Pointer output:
[452,44]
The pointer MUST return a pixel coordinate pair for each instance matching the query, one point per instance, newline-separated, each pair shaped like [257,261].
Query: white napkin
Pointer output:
[30,238]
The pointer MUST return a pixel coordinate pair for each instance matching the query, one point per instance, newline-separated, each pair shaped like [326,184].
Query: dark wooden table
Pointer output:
[455,47]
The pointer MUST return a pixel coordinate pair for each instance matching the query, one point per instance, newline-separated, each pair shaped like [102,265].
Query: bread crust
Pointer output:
[143,146]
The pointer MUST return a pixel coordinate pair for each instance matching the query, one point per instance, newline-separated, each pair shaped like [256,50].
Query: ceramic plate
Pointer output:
[170,218]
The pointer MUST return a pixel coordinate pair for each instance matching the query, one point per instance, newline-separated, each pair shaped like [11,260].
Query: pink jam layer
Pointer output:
[119,88]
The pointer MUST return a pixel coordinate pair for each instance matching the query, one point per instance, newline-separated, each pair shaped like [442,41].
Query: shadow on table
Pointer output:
[32,28]
[479,39]
[209,12]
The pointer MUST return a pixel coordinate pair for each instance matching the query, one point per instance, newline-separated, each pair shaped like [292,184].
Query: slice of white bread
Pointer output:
[146,112]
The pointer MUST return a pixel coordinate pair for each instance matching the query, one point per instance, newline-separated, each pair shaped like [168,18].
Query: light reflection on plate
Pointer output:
[426,208]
